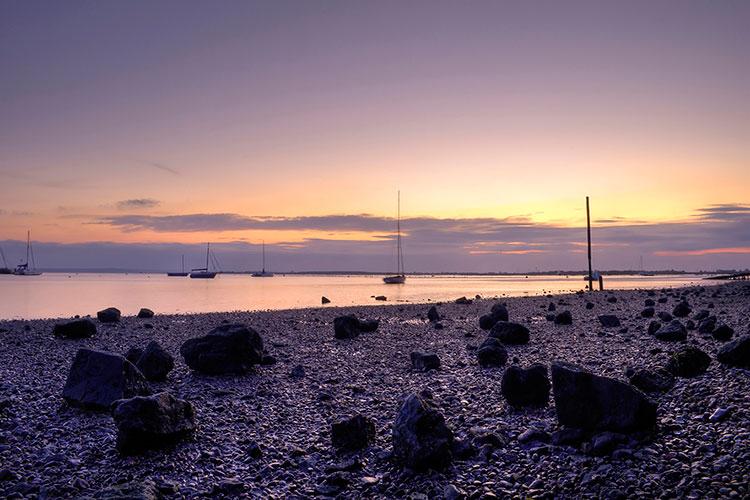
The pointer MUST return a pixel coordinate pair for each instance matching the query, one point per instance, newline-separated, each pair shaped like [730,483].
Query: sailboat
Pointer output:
[5,269]
[203,272]
[182,269]
[399,277]
[263,273]
[643,272]
[24,269]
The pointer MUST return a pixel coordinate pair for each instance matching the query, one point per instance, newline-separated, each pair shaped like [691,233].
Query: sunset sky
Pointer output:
[131,132]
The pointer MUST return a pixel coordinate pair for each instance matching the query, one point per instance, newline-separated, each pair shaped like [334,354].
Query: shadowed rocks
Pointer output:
[491,353]
[230,348]
[154,362]
[353,433]
[526,387]
[672,332]
[423,362]
[145,313]
[76,329]
[659,380]
[349,326]
[108,315]
[498,313]
[421,439]
[510,333]
[609,320]
[688,362]
[564,318]
[736,353]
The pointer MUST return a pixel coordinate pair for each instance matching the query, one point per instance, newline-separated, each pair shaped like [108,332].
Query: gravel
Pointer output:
[266,434]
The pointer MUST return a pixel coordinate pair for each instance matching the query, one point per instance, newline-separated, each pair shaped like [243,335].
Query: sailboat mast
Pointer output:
[208,249]
[399,256]
[264,255]
[182,269]
[28,245]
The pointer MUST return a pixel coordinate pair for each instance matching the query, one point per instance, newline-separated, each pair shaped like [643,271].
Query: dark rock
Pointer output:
[564,318]
[736,353]
[568,436]
[433,315]
[688,362]
[354,433]
[701,315]
[659,380]
[134,354]
[97,379]
[510,333]
[592,402]
[145,313]
[723,332]
[550,317]
[229,348]
[346,327]
[423,361]
[647,312]
[664,316]
[690,324]
[498,313]
[421,440]
[609,320]
[155,363]
[463,301]
[707,325]
[672,332]
[681,310]
[653,327]
[297,372]
[589,305]
[109,315]
[605,443]
[368,325]
[551,307]
[325,300]
[381,298]
[649,303]
[268,360]
[526,387]
[152,422]
[534,435]
[76,329]
[491,353]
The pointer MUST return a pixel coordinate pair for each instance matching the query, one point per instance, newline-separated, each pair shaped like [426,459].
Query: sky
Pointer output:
[132,132]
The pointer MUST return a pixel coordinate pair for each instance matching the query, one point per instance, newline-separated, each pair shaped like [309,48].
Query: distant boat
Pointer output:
[644,273]
[263,273]
[5,269]
[28,268]
[399,278]
[182,269]
[203,272]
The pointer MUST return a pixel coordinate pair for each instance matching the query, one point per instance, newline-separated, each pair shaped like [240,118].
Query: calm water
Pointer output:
[62,294]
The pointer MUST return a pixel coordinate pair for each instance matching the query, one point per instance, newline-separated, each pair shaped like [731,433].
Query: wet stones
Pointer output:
[349,326]
[152,422]
[229,348]
[76,329]
[421,439]
[510,333]
[353,433]
[688,362]
[108,315]
[526,387]
[498,313]
[672,332]
[659,380]
[609,320]
[736,353]
[564,318]
[491,353]
[98,378]
[592,402]
[423,362]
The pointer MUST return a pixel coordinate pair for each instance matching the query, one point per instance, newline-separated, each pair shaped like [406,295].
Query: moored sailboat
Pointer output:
[28,268]
[204,272]
[182,270]
[263,273]
[5,269]
[399,278]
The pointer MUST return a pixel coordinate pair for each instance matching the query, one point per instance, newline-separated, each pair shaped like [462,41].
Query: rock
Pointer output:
[723,332]
[612,300]
[229,348]
[76,329]
[382,298]
[423,362]
[688,362]
[589,305]
[433,315]
[569,436]
[510,333]
[297,372]
[155,363]
[97,379]
[354,433]
[605,443]
[325,300]
[653,327]
[647,312]
[609,320]
[368,325]
[526,387]
[491,353]
[463,301]
[533,435]
[349,327]
[145,313]
[664,316]
[498,313]
[681,310]
[134,354]
[564,318]
[451,492]
[672,332]
[659,380]
[421,440]
[592,402]
[551,307]
[707,325]
[109,315]
[736,353]
[718,415]
[649,303]
[148,422]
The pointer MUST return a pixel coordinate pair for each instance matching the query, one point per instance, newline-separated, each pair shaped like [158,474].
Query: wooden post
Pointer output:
[601,282]
[588,232]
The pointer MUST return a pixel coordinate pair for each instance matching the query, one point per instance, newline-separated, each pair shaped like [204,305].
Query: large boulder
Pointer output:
[108,315]
[75,329]
[595,403]
[682,309]
[230,348]
[526,387]
[97,379]
[688,362]
[349,326]
[421,439]
[151,422]
[659,380]
[736,353]
[609,320]
[674,331]
[510,333]
[423,362]
[498,313]
[491,353]
[155,363]
[354,433]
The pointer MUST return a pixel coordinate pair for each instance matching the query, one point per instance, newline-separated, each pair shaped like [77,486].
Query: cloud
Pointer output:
[137,203]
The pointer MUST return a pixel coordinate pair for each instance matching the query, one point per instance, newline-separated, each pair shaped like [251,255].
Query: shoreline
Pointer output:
[53,449]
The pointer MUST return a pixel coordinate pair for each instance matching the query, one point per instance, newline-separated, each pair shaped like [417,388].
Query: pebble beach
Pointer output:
[267,433]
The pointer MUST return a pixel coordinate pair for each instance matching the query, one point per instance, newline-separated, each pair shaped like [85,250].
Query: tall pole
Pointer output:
[588,233]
